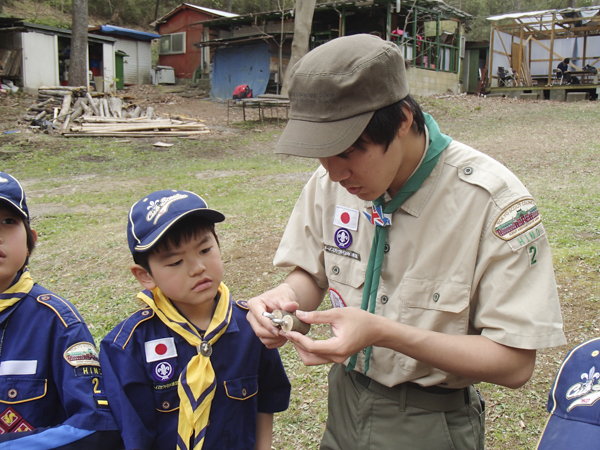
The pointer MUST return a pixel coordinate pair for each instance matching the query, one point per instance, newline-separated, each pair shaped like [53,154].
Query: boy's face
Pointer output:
[189,275]
[13,246]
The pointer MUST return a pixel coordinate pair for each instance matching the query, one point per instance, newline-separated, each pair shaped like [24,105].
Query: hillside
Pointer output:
[42,13]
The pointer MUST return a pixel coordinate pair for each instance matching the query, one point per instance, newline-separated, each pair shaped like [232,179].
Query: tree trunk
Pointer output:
[229,5]
[78,72]
[1,6]
[572,4]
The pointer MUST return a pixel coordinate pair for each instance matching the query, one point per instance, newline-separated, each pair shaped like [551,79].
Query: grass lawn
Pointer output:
[79,192]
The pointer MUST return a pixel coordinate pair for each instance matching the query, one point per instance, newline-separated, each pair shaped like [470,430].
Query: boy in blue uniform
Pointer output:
[187,371]
[51,389]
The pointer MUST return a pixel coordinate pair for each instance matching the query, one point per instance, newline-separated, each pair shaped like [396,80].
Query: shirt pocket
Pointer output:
[344,270]
[167,400]
[241,388]
[21,389]
[439,306]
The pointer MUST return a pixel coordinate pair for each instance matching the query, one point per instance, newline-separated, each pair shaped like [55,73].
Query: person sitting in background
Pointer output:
[563,69]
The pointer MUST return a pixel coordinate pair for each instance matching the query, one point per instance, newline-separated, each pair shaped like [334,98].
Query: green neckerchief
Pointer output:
[437,143]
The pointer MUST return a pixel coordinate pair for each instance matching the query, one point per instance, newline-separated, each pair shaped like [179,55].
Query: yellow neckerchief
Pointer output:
[17,291]
[197,381]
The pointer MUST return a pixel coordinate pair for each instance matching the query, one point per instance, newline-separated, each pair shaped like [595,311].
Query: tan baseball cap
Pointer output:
[334,91]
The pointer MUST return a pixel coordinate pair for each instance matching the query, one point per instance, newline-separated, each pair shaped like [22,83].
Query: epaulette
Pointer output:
[124,335]
[242,304]
[63,309]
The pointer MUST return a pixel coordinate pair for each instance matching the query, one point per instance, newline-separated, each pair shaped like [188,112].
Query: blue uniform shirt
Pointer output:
[51,385]
[142,359]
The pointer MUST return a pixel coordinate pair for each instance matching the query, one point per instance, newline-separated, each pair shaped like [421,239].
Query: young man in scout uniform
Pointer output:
[433,254]
[51,388]
[187,371]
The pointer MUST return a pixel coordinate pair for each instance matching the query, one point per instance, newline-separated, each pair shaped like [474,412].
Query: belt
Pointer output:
[433,398]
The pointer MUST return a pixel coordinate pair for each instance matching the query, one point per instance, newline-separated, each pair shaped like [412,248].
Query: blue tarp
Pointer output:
[247,64]
[139,35]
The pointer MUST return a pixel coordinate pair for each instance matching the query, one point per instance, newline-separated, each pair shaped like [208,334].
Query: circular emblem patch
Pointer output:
[343,238]
[163,371]
[516,219]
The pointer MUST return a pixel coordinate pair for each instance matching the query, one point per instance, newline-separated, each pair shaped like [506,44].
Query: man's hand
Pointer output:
[282,297]
[352,330]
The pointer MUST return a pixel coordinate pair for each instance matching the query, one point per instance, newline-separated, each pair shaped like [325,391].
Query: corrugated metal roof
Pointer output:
[214,12]
[534,16]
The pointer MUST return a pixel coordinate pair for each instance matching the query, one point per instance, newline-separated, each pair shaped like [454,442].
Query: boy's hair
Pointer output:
[384,125]
[30,235]
[184,230]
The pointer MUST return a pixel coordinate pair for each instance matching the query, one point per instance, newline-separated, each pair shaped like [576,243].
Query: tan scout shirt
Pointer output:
[446,269]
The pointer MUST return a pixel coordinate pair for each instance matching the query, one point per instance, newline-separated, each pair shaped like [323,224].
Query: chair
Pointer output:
[505,77]
[557,77]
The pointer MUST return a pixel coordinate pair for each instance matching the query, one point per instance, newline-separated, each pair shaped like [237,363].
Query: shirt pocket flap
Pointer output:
[241,388]
[345,270]
[167,400]
[435,295]
[21,389]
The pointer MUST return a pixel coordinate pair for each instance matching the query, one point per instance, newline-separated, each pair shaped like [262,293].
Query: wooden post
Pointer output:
[520,68]
[551,49]
[388,22]
[438,58]
[491,58]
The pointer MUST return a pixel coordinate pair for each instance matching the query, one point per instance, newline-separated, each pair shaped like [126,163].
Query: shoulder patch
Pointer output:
[242,304]
[516,219]
[129,326]
[63,309]
[82,354]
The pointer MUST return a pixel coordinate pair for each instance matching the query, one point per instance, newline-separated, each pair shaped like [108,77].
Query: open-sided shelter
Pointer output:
[532,44]
[255,49]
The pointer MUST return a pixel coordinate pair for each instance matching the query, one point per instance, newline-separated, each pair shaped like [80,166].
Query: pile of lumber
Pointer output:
[75,112]
[135,127]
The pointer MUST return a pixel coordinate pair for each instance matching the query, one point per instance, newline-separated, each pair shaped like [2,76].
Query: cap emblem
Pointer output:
[3,180]
[158,208]
[581,391]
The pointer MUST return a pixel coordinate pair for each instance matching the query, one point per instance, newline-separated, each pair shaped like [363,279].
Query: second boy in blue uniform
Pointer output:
[187,371]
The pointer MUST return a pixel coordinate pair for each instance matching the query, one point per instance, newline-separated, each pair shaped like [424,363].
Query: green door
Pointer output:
[119,69]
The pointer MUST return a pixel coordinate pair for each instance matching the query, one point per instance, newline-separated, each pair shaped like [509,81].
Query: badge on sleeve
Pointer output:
[517,219]
[82,354]
[160,349]
[346,218]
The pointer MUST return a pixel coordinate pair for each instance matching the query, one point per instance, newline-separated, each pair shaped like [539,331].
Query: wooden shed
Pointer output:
[136,45]
[179,30]
[37,55]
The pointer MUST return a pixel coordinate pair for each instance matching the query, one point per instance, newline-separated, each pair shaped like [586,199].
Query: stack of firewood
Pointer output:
[74,112]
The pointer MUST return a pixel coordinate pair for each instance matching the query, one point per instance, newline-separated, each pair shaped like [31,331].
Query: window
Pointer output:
[172,44]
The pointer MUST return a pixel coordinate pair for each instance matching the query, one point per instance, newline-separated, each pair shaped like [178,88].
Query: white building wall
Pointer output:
[39,50]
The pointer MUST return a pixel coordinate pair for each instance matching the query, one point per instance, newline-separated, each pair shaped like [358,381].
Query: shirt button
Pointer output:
[12,393]
[384,299]
[166,405]
[468,170]
[244,392]
[436,297]
[386,248]
[145,313]
[335,270]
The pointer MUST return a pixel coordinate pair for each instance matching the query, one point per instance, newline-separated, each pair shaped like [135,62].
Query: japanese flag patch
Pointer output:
[346,218]
[160,349]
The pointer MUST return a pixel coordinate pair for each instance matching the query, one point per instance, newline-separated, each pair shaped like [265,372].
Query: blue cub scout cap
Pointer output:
[153,215]
[12,192]
[573,403]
